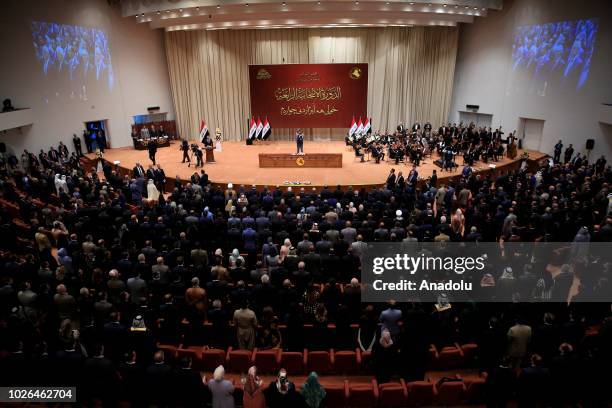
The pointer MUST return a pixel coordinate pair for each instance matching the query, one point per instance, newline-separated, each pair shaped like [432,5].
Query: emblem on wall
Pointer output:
[355,73]
[299,161]
[263,74]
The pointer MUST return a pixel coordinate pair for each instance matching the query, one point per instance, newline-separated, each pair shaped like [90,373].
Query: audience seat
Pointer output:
[294,361]
[451,393]
[449,358]
[267,361]
[169,351]
[392,395]
[362,395]
[420,393]
[320,362]
[475,389]
[335,395]
[470,352]
[195,352]
[347,362]
[239,361]
[212,358]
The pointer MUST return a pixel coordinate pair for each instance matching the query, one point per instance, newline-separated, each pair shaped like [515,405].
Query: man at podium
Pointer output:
[299,141]
[208,146]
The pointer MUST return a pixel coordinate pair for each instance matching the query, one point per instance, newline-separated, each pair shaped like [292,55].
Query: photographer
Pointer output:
[185,148]
[197,152]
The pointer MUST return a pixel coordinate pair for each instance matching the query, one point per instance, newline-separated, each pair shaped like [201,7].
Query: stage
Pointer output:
[239,164]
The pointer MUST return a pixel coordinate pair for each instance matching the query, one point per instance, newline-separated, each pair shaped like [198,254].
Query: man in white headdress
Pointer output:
[152,191]
[58,183]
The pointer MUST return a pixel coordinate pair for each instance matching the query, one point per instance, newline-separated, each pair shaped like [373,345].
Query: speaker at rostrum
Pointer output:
[590,144]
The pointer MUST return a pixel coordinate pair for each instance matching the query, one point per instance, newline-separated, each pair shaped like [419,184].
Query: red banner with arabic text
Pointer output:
[309,95]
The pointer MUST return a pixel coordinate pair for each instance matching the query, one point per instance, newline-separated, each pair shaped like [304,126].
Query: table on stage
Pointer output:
[302,160]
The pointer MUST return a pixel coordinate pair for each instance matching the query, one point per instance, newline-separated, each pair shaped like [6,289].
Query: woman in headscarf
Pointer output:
[152,191]
[253,391]
[458,223]
[312,391]
[235,257]
[221,389]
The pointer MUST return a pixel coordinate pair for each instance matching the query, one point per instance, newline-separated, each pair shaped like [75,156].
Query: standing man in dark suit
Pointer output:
[87,138]
[77,145]
[299,141]
[569,153]
[413,176]
[558,148]
[138,171]
[152,147]
[391,180]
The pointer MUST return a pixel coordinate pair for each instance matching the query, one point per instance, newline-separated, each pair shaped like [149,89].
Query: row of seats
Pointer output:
[323,362]
[270,361]
[401,394]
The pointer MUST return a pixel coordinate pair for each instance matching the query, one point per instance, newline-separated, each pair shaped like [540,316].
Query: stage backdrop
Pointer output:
[410,73]
[309,95]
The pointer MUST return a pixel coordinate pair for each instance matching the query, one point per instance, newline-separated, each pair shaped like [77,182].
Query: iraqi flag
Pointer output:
[259,128]
[359,127]
[367,127]
[353,127]
[252,128]
[265,132]
[203,130]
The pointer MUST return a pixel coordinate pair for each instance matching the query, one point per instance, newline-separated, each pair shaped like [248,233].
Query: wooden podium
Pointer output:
[297,161]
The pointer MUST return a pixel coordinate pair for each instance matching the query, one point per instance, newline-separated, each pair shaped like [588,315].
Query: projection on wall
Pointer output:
[562,48]
[73,49]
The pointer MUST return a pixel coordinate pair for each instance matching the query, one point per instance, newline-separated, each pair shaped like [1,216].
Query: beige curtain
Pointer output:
[410,73]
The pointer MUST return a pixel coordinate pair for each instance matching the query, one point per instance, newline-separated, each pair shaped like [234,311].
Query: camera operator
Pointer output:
[197,152]
[185,148]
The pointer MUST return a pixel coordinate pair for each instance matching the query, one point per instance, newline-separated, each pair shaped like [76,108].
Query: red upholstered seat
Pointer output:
[450,357]
[335,395]
[320,362]
[392,395]
[475,390]
[212,358]
[470,352]
[362,395]
[169,352]
[347,362]
[451,393]
[293,361]
[420,393]
[195,352]
[239,361]
[267,361]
